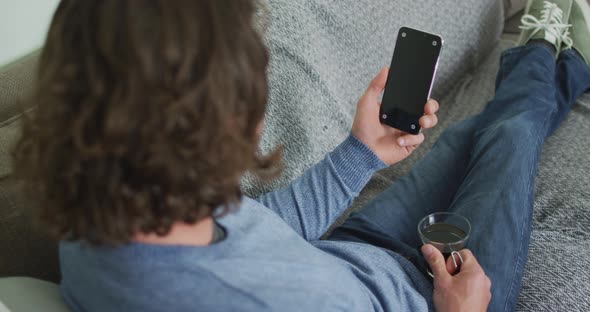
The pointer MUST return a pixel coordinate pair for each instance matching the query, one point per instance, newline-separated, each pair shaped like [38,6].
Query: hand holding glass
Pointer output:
[446,231]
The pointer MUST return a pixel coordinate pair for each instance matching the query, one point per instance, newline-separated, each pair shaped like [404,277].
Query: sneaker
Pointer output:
[547,20]
[580,31]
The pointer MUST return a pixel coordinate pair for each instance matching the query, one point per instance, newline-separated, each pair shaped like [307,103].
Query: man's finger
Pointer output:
[378,83]
[431,107]
[410,139]
[469,261]
[436,261]
[451,265]
[467,255]
[428,121]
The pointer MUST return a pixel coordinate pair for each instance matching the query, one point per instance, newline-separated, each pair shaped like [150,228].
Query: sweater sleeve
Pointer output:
[316,199]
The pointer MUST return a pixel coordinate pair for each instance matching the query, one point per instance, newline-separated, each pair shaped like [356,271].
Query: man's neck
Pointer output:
[198,234]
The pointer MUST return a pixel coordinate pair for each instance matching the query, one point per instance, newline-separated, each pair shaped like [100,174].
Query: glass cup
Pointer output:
[447,231]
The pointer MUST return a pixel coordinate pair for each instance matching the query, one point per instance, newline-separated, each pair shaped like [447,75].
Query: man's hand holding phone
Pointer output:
[389,144]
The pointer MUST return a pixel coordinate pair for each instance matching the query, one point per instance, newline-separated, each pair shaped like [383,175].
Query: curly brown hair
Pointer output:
[146,115]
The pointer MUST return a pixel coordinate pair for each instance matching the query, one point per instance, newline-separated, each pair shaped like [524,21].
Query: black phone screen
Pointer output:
[410,79]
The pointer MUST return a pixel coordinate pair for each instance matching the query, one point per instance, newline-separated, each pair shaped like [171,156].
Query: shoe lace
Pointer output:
[551,22]
[567,40]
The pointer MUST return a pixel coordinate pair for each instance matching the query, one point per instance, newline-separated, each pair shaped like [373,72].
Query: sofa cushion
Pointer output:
[16,82]
[26,248]
[9,131]
[28,294]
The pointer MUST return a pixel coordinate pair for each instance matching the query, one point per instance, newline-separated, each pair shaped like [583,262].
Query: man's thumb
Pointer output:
[436,261]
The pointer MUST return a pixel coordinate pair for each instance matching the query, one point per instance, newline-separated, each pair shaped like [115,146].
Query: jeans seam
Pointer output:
[521,245]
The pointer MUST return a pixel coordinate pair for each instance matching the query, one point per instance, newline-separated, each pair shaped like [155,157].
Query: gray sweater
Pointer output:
[272,258]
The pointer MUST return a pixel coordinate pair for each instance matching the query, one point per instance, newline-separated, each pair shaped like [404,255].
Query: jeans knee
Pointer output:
[517,133]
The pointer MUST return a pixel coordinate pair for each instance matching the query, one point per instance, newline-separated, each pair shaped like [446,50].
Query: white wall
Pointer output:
[23,26]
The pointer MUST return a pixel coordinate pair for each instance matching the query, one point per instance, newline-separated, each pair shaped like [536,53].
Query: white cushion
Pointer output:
[23,294]
[3,308]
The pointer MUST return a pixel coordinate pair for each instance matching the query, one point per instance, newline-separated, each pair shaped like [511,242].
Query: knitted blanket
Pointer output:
[325,52]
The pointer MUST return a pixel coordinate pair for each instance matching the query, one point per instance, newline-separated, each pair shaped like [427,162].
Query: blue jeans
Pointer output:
[483,168]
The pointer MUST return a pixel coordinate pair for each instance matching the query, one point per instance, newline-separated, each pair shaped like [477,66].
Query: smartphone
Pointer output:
[411,76]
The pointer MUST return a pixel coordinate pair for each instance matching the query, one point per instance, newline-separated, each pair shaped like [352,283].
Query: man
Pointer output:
[150,112]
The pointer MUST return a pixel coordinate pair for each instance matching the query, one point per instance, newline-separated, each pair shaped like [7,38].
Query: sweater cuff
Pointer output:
[355,163]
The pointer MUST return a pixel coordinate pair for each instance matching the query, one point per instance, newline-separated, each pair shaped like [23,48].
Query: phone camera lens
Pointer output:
[434,43]
[404,34]
[413,126]
[384,116]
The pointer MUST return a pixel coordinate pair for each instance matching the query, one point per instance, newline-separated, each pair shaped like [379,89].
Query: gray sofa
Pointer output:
[322,57]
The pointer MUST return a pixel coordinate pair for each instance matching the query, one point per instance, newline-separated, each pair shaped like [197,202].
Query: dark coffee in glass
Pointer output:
[446,231]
